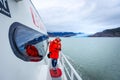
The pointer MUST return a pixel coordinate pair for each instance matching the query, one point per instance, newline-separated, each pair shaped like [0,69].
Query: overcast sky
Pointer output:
[88,16]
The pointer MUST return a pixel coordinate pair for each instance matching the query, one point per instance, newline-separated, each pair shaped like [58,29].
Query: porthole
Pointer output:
[26,43]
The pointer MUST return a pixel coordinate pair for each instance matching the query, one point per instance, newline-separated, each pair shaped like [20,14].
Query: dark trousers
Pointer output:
[54,62]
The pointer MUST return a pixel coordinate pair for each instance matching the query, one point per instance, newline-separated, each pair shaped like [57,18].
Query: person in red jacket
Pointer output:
[54,48]
[33,53]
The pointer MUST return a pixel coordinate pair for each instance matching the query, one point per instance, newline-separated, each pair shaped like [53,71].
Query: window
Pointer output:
[27,44]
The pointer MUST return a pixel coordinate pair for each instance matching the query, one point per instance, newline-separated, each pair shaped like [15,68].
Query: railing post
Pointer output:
[72,76]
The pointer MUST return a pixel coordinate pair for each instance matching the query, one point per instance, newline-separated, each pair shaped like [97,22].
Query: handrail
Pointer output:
[73,73]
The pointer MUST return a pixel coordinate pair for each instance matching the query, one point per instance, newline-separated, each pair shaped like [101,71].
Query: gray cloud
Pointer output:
[86,16]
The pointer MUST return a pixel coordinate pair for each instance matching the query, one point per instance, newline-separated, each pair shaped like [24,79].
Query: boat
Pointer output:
[20,25]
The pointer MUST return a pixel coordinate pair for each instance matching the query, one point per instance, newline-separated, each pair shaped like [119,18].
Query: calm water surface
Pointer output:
[94,58]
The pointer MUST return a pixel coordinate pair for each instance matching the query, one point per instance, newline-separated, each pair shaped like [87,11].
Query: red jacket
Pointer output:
[54,49]
[51,46]
[33,53]
[54,54]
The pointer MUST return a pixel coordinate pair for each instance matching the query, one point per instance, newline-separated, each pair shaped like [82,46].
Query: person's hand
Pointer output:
[48,55]
[60,49]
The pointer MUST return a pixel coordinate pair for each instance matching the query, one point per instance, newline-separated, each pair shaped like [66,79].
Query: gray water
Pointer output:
[94,58]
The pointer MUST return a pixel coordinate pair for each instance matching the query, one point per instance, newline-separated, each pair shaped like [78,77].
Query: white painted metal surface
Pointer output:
[12,68]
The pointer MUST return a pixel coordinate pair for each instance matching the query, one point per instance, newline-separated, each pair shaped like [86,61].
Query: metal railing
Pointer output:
[70,71]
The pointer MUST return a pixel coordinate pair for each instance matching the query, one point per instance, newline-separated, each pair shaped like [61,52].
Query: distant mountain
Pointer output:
[108,33]
[62,34]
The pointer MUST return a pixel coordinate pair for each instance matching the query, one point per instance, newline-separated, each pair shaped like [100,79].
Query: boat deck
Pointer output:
[71,74]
